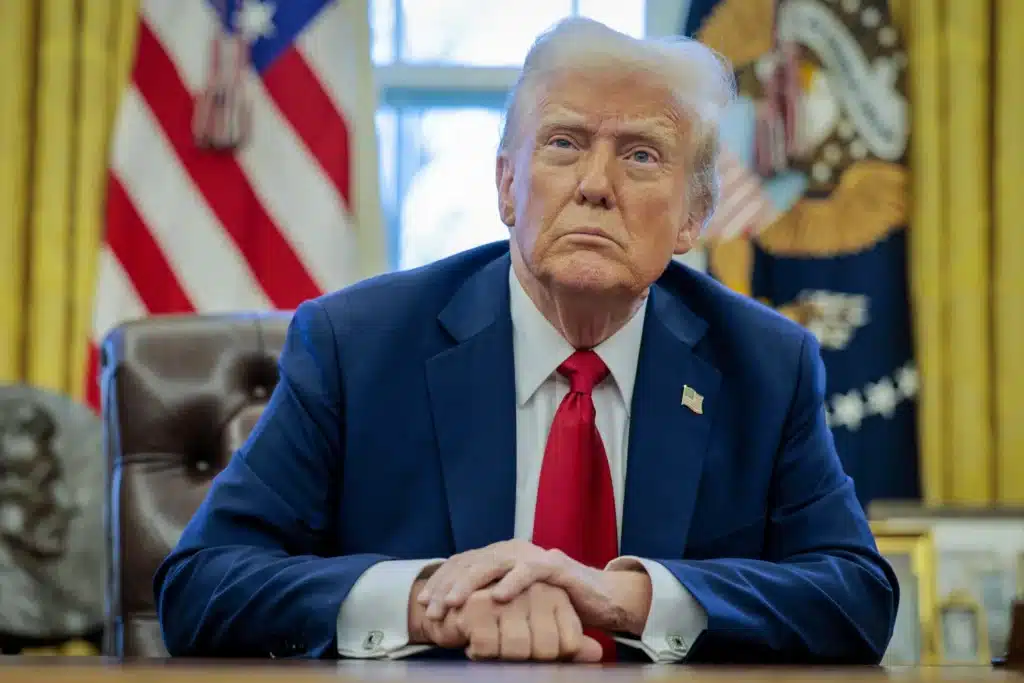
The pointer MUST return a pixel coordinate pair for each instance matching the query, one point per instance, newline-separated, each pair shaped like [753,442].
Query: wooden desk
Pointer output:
[97,670]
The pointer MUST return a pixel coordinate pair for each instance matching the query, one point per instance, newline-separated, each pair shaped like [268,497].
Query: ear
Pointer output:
[503,176]
[686,238]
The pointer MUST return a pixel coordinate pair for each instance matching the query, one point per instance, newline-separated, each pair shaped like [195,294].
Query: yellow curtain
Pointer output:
[967,248]
[63,64]
[1008,253]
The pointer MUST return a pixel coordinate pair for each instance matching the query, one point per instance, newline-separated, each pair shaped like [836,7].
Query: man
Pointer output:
[534,446]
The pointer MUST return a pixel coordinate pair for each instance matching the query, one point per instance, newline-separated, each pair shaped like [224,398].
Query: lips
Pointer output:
[589,232]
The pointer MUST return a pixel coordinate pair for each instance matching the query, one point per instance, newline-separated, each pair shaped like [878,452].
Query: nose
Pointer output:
[595,185]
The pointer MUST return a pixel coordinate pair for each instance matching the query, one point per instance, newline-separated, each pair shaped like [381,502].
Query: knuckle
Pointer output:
[460,622]
[485,650]
[485,642]
[476,601]
[542,590]
[546,652]
[516,648]
[555,554]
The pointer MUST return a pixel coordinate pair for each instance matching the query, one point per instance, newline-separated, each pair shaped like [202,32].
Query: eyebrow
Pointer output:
[654,130]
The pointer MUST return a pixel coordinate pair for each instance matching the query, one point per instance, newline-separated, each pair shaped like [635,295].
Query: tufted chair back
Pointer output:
[180,394]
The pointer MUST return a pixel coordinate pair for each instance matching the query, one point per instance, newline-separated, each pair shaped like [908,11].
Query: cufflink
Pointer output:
[373,640]
[677,644]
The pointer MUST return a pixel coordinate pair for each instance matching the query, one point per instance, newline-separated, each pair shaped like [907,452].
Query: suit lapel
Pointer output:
[668,440]
[472,397]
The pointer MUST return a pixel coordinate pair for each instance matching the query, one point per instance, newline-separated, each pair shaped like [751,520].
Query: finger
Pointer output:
[570,630]
[518,579]
[439,577]
[442,586]
[590,651]
[476,577]
[514,633]
[446,634]
[544,637]
[482,632]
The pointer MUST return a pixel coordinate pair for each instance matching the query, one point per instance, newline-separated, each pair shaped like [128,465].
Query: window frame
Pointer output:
[404,86]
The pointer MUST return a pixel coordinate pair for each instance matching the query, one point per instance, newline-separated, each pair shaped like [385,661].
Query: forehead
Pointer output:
[609,101]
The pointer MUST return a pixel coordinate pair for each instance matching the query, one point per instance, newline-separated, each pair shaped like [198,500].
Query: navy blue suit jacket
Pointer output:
[391,435]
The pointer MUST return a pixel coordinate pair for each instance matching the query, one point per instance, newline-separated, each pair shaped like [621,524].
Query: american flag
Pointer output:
[744,208]
[264,225]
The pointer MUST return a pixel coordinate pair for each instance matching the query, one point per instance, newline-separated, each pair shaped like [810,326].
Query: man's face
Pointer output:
[594,184]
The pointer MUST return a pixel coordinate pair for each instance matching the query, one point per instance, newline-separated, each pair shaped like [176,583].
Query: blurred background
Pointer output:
[219,156]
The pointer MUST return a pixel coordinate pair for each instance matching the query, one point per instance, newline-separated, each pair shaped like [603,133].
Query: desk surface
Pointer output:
[68,670]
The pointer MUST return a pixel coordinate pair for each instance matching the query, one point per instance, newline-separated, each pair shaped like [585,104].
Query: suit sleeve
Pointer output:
[822,593]
[251,575]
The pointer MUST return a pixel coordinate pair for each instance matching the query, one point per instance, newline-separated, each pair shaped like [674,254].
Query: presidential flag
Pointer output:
[821,125]
[244,160]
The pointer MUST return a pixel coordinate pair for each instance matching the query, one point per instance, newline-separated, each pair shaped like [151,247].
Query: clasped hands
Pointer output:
[515,601]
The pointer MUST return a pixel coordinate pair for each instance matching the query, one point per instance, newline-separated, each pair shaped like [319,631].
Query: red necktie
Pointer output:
[575,501]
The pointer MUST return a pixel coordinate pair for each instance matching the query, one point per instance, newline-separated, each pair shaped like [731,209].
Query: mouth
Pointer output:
[590,234]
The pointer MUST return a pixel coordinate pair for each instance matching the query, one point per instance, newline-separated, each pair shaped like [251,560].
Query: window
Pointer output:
[444,68]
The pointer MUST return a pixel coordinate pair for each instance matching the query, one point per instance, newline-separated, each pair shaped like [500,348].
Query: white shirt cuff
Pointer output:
[675,619]
[373,622]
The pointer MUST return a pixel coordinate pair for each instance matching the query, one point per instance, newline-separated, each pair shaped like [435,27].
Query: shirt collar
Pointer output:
[539,348]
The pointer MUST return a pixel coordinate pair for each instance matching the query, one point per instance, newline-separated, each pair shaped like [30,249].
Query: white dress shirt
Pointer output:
[373,622]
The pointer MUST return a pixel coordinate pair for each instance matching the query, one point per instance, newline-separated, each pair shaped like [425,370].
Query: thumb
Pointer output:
[590,652]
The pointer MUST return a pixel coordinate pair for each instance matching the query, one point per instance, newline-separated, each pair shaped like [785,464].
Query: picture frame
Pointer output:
[995,594]
[977,551]
[962,631]
[983,576]
[910,552]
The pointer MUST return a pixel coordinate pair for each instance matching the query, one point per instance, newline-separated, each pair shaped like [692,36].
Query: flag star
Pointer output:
[835,335]
[882,397]
[256,19]
[907,380]
[848,410]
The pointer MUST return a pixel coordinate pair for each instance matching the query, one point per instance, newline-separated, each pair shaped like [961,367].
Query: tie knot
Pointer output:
[584,370]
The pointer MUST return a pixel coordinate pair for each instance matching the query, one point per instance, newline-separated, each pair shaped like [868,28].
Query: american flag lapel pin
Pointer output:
[693,400]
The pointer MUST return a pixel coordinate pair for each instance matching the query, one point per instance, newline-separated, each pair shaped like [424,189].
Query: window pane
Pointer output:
[472,32]
[448,201]
[622,15]
[382,31]
[387,141]
[475,32]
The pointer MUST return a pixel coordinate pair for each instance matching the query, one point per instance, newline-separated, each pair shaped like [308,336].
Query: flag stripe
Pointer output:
[266,224]
[92,376]
[222,183]
[276,162]
[326,46]
[744,207]
[184,31]
[116,297]
[116,302]
[142,260]
[280,168]
[296,91]
[209,265]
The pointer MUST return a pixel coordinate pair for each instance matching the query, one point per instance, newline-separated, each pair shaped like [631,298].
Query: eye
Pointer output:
[561,143]
[642,156]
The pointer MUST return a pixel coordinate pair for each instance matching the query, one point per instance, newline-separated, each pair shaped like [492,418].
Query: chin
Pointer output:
[590,276]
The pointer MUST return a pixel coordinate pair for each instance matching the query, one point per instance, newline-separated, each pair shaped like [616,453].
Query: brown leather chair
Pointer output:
[180,394]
